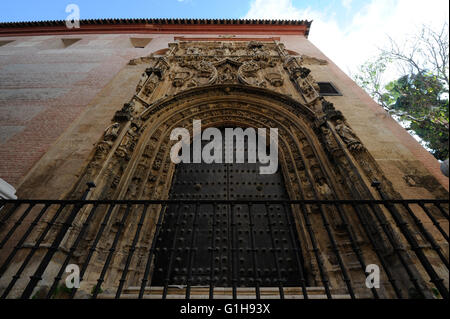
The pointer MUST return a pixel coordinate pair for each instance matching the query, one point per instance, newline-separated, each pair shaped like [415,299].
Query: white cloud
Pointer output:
[347,4]
[273,9]
[368,29]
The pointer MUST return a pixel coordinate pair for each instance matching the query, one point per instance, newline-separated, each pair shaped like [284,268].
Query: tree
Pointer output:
[370,77]
[419,98]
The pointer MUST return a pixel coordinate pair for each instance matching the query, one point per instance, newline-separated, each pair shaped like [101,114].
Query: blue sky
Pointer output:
[347,31]
[20,10]
[26,10]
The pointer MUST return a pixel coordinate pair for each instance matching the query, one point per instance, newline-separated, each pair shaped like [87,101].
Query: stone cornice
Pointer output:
[174,26]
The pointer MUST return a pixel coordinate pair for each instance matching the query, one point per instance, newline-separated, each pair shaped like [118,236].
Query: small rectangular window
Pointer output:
[68,42]
[2,43]
[327,88]
[140,42]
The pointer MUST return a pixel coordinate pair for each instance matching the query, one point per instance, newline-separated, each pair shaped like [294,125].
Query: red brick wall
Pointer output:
[44,87]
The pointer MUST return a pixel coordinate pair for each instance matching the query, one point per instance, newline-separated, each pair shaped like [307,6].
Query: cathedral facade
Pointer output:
[218,229]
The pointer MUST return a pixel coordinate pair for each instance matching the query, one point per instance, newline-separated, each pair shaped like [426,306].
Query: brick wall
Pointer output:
[44,86]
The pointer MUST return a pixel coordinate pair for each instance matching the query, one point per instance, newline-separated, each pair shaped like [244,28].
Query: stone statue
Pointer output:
[141,82]
[347,135]
[323,187]
[128,140]
[112,132]
[328,139]
[150,86]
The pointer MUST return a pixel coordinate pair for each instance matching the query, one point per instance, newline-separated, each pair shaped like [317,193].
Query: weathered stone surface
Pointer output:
[113,127]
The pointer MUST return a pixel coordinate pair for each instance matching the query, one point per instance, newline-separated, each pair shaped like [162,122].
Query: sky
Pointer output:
[348,31]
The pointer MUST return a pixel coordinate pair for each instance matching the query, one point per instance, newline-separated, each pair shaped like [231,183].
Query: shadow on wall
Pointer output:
[444,167]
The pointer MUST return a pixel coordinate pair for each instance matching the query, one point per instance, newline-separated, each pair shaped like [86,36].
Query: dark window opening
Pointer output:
[140,43]
[68,42]
[327,88]
[2,43]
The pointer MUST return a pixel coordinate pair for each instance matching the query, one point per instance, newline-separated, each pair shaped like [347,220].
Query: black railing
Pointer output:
[325,253]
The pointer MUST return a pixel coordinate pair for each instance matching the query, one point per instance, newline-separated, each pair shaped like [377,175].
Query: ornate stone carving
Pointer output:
[299,72]
[323,187]
[125,113]
[249,69]
[275,79]
[204,72]
[248,74]
[347,135]
[329,110]
[150,86]
[128,141]
[303,80]
[159,158]
[257,49]
[312,160]
[102,150]
[329,140]
[179,78]
[227,74]
[159,69]
[122,152]
[137,122]
[142,80]
[155,75]
[111,132]
[194,50]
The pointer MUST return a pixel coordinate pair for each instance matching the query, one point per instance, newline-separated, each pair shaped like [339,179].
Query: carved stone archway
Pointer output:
[243,85]
[137,165]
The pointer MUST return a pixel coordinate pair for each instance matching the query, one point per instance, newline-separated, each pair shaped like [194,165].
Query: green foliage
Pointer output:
[61,290]
[369,76]
[419,100]
[420,97]
[436,292]
[100,290]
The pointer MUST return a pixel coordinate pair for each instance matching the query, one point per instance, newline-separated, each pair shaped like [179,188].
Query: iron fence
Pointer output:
[152,249]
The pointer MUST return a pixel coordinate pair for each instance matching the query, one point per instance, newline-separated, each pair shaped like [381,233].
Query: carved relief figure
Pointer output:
[323,187]
[309,93]
[330,143]
[101,151]
[141,82]
[256,48]
[150,86]
[227,75]
[347,135]
[111,132]
[227,48]
[128,140]
[327,107]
